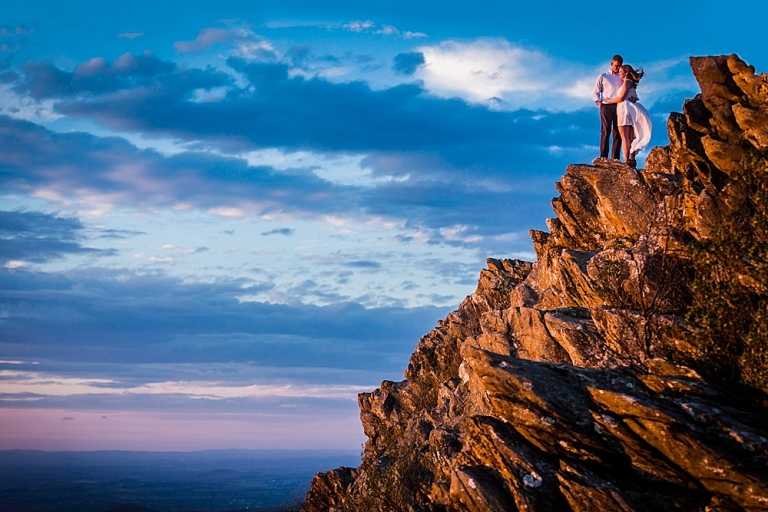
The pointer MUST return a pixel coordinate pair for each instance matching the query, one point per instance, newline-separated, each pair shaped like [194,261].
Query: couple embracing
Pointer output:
[620,112]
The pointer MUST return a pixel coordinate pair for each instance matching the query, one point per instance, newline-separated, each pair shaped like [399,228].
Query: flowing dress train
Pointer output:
[641,122]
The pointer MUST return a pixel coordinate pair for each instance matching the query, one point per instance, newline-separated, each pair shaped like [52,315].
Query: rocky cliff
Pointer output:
[588,380]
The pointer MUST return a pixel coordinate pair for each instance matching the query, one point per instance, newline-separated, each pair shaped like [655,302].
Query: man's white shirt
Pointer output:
[607,86]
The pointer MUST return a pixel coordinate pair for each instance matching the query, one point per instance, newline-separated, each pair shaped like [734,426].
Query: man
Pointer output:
[607,87]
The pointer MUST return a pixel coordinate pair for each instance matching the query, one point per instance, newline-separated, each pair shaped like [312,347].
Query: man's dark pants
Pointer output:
[609,125]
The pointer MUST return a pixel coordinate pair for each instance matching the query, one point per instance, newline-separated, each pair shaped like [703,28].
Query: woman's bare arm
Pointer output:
[623,92]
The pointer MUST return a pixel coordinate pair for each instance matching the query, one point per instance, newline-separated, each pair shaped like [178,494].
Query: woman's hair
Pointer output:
[633,74]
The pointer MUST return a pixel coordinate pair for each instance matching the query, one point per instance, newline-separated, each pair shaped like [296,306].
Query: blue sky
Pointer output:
[220,221]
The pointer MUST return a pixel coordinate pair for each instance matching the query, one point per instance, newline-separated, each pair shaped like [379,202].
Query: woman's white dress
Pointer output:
[634,114]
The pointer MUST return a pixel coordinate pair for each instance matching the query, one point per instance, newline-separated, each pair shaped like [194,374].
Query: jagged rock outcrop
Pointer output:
[574,383]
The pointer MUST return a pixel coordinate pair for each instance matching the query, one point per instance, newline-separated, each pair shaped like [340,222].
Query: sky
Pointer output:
[220,221]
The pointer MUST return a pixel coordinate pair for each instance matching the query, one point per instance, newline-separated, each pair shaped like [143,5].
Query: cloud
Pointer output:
[18,384]
[470,183]
[385,30]
[12,39]
[184,250]
[294,113]
[118,234]
[39,237]
[158,259]
[279,231]
[18,30]
[96,76]
[130,35]
[364,264]
[388,30]
[103,172]
[105,384]
[488,68]
[240,41]
[8,77]
[407,63]
[204,39]
[9,48]
[98,316]
[343,259]
[359,25]
[114,340]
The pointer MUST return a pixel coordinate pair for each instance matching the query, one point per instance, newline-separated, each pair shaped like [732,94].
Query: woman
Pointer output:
[634,121]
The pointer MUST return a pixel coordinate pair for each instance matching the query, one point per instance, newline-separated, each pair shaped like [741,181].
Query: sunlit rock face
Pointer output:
[573,383]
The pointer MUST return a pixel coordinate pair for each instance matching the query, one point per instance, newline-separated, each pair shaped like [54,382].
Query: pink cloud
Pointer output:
[91,67]
[204,39]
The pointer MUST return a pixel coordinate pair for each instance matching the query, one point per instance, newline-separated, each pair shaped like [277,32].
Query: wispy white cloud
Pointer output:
[459,233]
[227,211]
[388,30]
[185,250]
[211,95]
[250,45]
[246,42]
[19,383]
[129,35]
[385,30]
[359,25]
[158,259]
